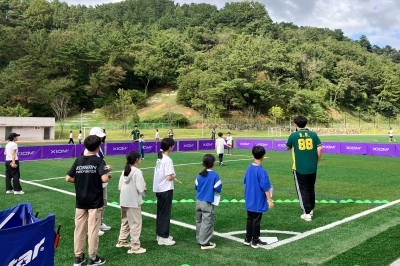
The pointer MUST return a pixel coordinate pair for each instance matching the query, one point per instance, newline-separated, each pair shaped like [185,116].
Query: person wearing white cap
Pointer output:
[12,165]
[97,131]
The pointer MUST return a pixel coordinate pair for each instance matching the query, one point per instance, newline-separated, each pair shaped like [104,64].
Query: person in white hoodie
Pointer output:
[132,187]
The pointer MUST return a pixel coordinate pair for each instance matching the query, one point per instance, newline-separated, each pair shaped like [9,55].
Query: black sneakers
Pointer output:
[247,242]
[257,243]
[79,260]
[96,261]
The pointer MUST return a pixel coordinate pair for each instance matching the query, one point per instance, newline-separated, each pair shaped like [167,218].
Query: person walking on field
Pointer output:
[12,165]
[71,138]
[306,152]
[135,133]
[80,137]
[391,139]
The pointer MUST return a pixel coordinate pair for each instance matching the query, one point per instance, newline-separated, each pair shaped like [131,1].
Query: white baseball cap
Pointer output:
[97,131]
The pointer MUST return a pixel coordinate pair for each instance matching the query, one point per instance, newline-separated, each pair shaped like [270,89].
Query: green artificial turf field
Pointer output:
[351,225]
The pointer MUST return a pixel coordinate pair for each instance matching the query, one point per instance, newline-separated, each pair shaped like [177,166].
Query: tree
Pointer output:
[39,15]
[364,42]
[60,108]
[276,113]
[17,111]
[127,110]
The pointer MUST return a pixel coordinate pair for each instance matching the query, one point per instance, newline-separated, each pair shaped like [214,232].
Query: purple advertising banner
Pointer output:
[29,153]
[150,147]
[206,145]
[280,145]
[58,151]
[188,145]
[120,148]
[2,156]
[353,148]
[267,144]
[249,144]
[331,147]
[244,144]
[398,150]
[381,149]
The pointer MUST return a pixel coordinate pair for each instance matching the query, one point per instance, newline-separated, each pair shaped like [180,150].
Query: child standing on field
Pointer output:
[207,182]
[80,137]
[219,147]
[229,143]
[391,139]
[141,145]
[88,173]
[257,191]
[157,135]
[131,186]
[163,186]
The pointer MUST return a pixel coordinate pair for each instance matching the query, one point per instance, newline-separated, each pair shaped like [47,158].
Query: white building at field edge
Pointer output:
[30,128]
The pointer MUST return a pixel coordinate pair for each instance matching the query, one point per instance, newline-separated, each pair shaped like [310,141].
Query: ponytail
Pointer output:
[131,159]
[208,163]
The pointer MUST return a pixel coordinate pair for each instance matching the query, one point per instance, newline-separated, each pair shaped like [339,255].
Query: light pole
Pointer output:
[83,109]
[290,124]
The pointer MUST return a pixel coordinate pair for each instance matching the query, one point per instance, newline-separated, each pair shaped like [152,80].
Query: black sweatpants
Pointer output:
[253,225]
[305,186]
[164,207]
[14,174]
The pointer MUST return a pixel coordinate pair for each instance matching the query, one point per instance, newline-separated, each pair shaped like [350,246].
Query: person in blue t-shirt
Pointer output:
[206,184]
[257,190]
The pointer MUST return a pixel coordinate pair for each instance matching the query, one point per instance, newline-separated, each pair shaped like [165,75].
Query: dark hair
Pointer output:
[220,134]
[258,152]
[80,131]
[131,158]
[104,130]
[141,135]
[92,142]
[208,163]
[229,132]
[166,143]
[70,131]
[156,129]
[300,121]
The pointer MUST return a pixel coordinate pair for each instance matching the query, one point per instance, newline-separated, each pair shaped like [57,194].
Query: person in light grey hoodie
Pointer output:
[132,187]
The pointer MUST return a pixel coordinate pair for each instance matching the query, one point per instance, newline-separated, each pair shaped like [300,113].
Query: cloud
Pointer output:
[377,19]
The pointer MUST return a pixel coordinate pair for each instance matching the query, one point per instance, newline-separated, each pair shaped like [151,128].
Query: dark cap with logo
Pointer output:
[13,135]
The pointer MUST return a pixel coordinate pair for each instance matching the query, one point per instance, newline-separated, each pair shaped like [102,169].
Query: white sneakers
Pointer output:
[158,238]
[123,244]
[136,251]
[165,241]
[19,192]
[10,192]
[307,217]
[104,227]
[101,233]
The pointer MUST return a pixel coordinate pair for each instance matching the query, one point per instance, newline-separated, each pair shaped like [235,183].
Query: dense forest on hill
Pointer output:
[235,58]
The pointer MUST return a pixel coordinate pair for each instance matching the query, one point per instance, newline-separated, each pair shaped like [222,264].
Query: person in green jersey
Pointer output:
[306,152]
[135,133]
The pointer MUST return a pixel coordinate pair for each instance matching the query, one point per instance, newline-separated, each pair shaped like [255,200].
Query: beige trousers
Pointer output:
[87,222]
[105,203]
[131,224]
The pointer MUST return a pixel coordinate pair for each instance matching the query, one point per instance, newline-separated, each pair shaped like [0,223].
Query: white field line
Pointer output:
[329,226]
[45,179]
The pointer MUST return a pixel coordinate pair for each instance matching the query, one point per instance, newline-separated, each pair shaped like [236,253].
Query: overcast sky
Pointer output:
[379,20]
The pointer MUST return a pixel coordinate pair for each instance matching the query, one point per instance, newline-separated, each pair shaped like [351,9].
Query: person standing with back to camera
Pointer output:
[306,153]
[163,186]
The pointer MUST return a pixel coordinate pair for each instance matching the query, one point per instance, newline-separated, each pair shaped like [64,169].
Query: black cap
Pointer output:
[13,135]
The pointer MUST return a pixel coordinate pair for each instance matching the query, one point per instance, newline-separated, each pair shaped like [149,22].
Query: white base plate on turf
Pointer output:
[269,240]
